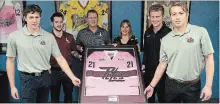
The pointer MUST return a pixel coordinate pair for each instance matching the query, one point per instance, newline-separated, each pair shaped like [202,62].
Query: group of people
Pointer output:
[181,51]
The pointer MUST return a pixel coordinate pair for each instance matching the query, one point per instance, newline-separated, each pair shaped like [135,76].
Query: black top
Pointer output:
[132,40]
[152,48]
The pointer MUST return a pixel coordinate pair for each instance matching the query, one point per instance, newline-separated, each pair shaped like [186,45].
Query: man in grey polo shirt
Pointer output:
[93,35]
[33,48]
[184,51]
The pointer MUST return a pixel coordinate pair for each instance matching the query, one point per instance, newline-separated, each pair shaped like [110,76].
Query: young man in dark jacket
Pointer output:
[152,39]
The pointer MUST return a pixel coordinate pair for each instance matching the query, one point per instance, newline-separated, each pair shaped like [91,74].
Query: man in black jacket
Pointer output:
[152,39]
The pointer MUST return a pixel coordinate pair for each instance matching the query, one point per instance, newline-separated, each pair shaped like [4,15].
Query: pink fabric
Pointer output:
[100,91]
[8,20]
[97,86]
[120,61]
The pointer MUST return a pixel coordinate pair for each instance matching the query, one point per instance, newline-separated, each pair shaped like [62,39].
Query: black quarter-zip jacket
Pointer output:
[152,48]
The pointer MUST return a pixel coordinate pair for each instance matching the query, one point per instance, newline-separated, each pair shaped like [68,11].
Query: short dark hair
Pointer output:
[92,11]
[57,14]
[32,9]
[156,7]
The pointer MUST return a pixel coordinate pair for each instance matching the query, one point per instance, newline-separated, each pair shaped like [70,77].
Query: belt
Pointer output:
[180,81]
[34,74]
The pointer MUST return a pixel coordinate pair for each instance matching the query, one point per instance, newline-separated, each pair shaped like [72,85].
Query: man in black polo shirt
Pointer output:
[152,39]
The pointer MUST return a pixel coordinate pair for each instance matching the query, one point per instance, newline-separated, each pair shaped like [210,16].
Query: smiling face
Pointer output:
[178,16]
[57,23]
[125,29]
[33,20]
[156,18]
[92,19]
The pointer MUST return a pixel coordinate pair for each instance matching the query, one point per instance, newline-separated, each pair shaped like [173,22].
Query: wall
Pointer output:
[205,13]
[126,10]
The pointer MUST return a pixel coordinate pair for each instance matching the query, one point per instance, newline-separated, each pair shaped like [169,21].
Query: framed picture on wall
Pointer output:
[166,4]
[111,74]
[75,12]
[10,20]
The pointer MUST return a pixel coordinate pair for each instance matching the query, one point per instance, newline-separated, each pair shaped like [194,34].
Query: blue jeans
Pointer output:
[35,89]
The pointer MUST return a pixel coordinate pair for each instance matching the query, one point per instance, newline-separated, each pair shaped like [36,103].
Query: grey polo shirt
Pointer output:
[86,37]
[186,53]
[33,52]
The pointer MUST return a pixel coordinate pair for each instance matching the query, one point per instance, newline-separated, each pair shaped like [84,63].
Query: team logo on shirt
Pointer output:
[102,59]
[112,74]
[42,42]
[111,55]
[121,59]
[67,40]
[100,34]
[190,39]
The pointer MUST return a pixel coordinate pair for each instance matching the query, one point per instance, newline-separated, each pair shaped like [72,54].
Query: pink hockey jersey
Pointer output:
[111,73]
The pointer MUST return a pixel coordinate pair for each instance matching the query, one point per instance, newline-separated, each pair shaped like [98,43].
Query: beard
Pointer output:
[57,29]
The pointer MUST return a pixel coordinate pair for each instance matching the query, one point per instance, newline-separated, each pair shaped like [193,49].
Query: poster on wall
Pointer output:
[166,4]
[10,20]
[111,74]
[75,11]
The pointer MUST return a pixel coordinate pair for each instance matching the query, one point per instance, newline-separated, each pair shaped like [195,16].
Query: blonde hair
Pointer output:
[183,5]
[156,7]
[129,25]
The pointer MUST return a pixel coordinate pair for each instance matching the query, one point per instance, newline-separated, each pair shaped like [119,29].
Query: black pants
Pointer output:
[159,89]
[177,92]
[77,70]
[35,89]
[60,78]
